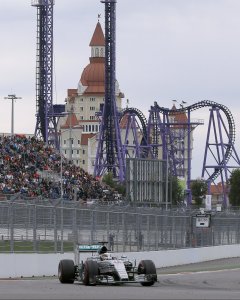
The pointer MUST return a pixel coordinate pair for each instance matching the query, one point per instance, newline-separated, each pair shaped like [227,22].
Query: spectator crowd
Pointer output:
[32,169]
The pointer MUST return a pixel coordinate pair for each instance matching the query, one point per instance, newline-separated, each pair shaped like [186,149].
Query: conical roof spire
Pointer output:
[98,37]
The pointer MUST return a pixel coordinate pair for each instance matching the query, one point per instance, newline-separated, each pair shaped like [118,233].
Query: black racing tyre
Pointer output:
[66,271]
[147,267]
[90,271]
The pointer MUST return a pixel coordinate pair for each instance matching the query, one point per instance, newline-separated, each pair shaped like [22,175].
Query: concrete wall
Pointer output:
[28,265]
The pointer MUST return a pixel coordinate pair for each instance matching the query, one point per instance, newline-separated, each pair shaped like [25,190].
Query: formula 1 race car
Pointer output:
[103,268]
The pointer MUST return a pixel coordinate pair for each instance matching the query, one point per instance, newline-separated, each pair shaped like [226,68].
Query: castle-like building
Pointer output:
[78,130]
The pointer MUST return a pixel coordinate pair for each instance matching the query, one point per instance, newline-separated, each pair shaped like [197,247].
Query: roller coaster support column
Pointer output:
[110,157]
[46,128]
[189,193]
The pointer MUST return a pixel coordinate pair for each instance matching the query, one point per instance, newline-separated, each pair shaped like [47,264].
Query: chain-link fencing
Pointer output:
[56,226]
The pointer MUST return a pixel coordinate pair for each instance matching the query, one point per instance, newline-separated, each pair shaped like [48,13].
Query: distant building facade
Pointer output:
[79,128]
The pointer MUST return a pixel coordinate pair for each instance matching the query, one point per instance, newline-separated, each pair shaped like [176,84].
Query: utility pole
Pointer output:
[12,97]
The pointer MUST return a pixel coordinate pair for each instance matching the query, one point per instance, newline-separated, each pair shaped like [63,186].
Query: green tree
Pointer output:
[108,179]
[117,186]
[234,194]
[199,190]
[176,190]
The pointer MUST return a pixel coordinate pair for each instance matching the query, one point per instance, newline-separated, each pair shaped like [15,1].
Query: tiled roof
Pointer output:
[71,121]
[179,117]
[72,92]
[93,76]
[124,121]
[98,37]
[85,137]
[216,189]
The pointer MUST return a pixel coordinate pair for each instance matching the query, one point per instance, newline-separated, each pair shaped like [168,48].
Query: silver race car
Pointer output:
[103,268]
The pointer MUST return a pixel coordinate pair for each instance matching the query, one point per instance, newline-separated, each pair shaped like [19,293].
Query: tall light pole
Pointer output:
[12,97]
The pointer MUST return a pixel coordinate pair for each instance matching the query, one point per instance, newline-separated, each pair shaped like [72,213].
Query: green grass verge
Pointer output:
[38,246]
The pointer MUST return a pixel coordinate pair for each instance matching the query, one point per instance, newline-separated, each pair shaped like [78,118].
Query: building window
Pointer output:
[77,151]
[92,117]
[97,52]
[78,142]
[83,162]
[92,107]
[89,127]
[81,108]
[83,152]
[101,52]
[65,151]
[92,99]
[86,128]
[93,128]
[64,142]
[81,117]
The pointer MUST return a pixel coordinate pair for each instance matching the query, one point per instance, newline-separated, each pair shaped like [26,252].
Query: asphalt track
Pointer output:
[218,279]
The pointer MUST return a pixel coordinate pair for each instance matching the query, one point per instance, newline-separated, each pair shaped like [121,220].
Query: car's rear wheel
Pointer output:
[147,267]
[90,271]
[66,271]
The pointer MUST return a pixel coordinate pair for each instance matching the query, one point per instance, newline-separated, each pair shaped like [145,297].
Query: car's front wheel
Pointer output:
[66,271]
[90,271]
[147,267]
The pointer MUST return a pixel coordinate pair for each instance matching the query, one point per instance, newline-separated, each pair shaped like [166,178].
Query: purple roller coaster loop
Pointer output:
[225,150]
[136,128]
[221,164]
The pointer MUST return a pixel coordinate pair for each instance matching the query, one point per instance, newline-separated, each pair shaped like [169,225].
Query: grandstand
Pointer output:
[31,169]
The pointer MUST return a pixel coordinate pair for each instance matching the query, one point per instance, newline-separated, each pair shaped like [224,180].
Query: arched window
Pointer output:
[97,52]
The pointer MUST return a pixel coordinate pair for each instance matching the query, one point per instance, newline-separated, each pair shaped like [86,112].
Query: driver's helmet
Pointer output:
[102,250]
[105,256]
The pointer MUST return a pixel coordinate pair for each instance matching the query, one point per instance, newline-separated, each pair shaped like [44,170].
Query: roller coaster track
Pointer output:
[231,126]
[140,116]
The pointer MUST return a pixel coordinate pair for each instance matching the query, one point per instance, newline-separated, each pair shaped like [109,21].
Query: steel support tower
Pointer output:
[46,128]
[220,156]
[109,157]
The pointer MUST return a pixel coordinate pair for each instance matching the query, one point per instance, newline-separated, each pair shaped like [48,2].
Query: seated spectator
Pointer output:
[31,168]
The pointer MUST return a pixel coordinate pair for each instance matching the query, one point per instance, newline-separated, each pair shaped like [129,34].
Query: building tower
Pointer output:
[110,156]
[79,128]
[46,122]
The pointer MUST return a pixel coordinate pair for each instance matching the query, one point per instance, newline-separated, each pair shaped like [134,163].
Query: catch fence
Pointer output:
[57,226]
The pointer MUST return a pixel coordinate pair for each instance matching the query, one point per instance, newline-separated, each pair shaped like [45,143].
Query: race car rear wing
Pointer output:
[88,248]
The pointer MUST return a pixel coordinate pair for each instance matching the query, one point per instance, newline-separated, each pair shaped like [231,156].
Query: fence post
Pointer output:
[55,229]
[34,228]
[75,230]
[93,226]
[148,232]
[11,227]
[124,232]
[156,232]
[62,227]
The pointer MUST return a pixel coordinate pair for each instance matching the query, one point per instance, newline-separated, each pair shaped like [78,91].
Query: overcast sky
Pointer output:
[166,49]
